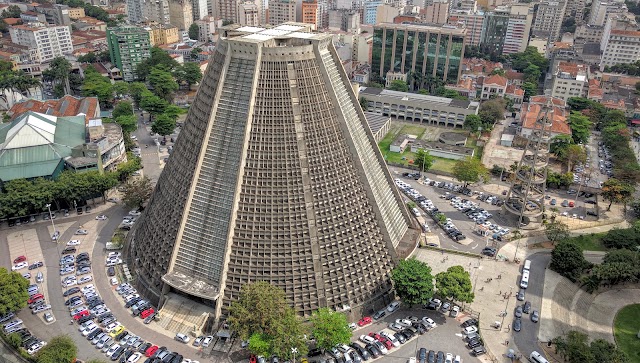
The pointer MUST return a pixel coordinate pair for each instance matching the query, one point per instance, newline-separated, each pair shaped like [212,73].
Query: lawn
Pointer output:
[473,142]
[625,329]
[590,242]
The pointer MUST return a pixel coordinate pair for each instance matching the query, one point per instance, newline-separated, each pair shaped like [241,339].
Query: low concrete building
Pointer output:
[418,108]
[400,143]
[443,150]
[378,124]
[453,138]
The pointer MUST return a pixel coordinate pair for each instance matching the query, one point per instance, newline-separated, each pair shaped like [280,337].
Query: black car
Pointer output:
[143,348]
[71,300]
[422,355]
[518,312]
[86,318]
[375,353]
[474,343]
[421,328]
[470,322]
[68,250]
[408,333]
[150,318]
[132,302]
[431,357]
[111,271]
[177,359]
[489,251]
[316,352]
[517,324]
[379,314]
[527,307]
[35,265]
[477,351]
[71,291]
[104,317]
[440,357]
[94,333]
[401,337]
[121,335]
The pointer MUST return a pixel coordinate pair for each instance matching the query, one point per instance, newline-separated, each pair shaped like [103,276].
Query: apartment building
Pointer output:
[345,20]
[603,9]
[76,13]
[516,37]
[310,13]
[548,19]
[143,11]
[570,80]
[282,11]
[181,13]
[45,42]
[494,29]
[370,11]
[437,12]
[426,50]
[472,21]
[248,14]
[128,46]
[620,42]
[162,34]
[206,28]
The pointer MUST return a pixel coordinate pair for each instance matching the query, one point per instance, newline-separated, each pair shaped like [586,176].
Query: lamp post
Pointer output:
[52,223]
[294,351]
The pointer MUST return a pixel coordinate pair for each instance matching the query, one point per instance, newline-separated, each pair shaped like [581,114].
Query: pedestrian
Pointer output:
[500,292]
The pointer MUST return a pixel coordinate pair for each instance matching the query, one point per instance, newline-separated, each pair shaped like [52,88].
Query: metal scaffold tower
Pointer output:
[525,200]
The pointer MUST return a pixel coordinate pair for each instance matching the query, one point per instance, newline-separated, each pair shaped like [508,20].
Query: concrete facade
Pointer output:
[246,195]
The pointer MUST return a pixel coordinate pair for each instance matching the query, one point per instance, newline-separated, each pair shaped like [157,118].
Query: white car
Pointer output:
[403,322]
[393,306]
[113,254]
[134,212]
[134,357]
[448,358]
[101,217]
[429,322]
[112,349]
[82,232]
[113,200]
[19,266]
[470,330]
[85,279]
[88,288]
[207,341]
[113,262]
[74,242]
[457,359]
[367,339]
[113,281]
[391,338]
[69,283]
[36,348]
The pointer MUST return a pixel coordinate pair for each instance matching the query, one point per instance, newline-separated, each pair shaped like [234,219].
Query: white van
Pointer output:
[524,281]
[527,265]
[537,358]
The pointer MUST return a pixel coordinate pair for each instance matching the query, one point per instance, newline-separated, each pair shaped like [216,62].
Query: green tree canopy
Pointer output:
[491,112]
[413,281]
[455,284]
[59,349]
[58,74]
[88,58]
[129,123]
[423,160]
[163,84]
[531,56]
[121,88]
[580,127]
[532,74]
[14,291]
[163,125]
[556,230]
[469,170]
[330,328]
[575,154]
[574,347]
[136,90]
[616,191]
[123,108]
[567,260]
[159,58]
[12,11]
[472,123]
[96,85]
[194,31]
[136,192]
[152,103]
[189,73]
[399,85]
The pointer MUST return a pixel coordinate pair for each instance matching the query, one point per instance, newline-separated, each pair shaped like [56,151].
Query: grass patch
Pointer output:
[472,141]
[413,130]
[590,242]
[625,329]
[443,164]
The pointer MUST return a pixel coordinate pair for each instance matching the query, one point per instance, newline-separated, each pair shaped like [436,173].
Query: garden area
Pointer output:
[625,329]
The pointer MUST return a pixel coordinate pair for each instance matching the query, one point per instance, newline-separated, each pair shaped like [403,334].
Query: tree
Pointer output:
[129,123]
[12,11]
[330,328]
[59,349]
[469,170]
[14,291]
[263,315]
[123,108]
[574,347]
[189,73]
[532,74]
[121,88]
[580,127]
[560,145]
[455,284]
[163,125]
[530,89]
[58,75]
[195,53]
[135,193]
[423,160]
[567,260]
[194,32]
[575,154]
[88,58]
[472,123]
[162,83]
[152,103]
[96,85]
[14,339]
[616,191]
[136,90]
[491,111]
[399,85]
[556,231]
[159,58]
[413,281]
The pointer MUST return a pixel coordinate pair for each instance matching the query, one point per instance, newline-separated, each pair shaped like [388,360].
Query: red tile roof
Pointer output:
[511,75]
[495,79]
[65,106]
[531,112]
[12,21]
[541,100]
[513,90]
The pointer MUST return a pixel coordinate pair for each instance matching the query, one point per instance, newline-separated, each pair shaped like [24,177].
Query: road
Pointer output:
[526,340]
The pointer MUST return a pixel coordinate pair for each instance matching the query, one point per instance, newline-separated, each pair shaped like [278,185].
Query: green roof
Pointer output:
[35,144]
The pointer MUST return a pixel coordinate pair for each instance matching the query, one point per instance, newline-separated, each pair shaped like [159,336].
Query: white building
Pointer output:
[45,42]
[518,28]
[206,28]
[548,19]
[570,80]
[620,42]
[603,9]
[282,11]
[248,14]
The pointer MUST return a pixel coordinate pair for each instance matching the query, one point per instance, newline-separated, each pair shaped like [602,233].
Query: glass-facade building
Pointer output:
[424,51]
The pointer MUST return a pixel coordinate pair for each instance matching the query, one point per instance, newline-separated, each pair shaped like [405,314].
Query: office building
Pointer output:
[45,42]
[426,50]
[370,11]
[248,14]
[516,37]
[181,13]
[275,177]
[494,30]
[282,11]
[200,9]
[128,46]
[548,19]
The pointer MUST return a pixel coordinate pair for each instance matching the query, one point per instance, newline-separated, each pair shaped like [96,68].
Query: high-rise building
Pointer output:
[548,19]
[200,9]
[370,11]
[345,20]
[282,11]
[570,80]
[144,11]
[45,42]
[516,37]
[128,46]
[311,14]
[275,177]
[426,50]
[601,11]
[227,9]
[620,42]
[134,11]
[248,14]
[575,10]
[494,29]
[206,28]
[181,13]
[437,12]
[472,21]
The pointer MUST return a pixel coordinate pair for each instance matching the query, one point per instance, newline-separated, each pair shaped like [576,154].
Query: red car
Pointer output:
[20,259]
[382,340]
[146,313]
[364,321]
[81,314]
[253,359]
[150,351]
[35,298]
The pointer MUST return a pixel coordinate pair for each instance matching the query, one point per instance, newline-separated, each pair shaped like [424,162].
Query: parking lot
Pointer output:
[446,336]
